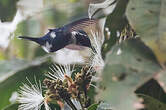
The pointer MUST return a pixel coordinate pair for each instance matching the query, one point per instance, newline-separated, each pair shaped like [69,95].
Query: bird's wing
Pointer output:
[84,24]
[74,47]
[80,40]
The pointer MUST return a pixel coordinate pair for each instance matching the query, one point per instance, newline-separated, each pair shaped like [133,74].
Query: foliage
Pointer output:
[124,73]
[148,19]
[93,107]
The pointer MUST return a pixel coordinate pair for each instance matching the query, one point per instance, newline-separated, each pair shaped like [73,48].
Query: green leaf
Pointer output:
[161,78]
[93,107]
[115,23]
[148,18]
[8,68]
[128,65]
[153,89]
[11,107]
[152,103]
[7,9]
[14,73]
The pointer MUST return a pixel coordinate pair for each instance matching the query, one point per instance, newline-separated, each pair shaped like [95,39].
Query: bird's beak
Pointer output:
[37,40]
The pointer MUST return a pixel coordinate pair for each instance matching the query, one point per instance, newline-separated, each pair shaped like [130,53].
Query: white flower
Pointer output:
[97,61]
[76,104]
[13,97]
[31,98]
[59,72]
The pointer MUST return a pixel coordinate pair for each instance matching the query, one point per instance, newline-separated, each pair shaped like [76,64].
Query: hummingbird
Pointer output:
[71,36]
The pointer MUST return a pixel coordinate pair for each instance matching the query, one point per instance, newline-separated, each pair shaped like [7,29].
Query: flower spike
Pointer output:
[31,98]
[60,72]
[97,61]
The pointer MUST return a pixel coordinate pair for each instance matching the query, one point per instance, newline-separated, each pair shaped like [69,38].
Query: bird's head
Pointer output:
[51,41]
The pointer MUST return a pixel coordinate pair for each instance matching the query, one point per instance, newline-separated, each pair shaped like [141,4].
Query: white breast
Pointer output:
[47,47]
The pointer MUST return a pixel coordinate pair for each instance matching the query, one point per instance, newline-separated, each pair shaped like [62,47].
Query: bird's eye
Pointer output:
[53,34]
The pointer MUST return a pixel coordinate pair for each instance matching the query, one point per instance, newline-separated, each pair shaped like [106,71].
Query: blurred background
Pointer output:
[19,58]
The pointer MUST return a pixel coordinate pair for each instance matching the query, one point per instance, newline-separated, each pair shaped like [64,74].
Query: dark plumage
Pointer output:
[70,36]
